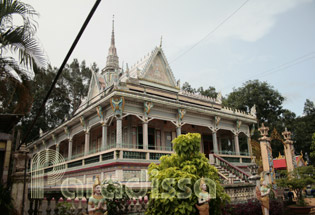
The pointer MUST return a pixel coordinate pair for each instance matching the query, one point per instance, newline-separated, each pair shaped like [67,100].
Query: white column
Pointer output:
[237,146]
[57,158]
[118,132]
[215,143]
[178,131]
[249,146]
[104,137]
[70,149]
[87,142]
[145,135]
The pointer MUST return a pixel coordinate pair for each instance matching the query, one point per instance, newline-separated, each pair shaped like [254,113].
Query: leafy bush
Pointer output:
[6,201]
[297,180]
[186,163]
[253,207]
[64,208]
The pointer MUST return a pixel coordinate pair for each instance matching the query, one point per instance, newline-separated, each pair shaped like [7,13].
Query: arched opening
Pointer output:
[226,142]
[63,148]
[78,142]
[243,141]
[95,139]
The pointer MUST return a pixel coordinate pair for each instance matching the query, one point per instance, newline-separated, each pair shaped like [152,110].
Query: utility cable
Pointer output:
[211,32]
[60,69]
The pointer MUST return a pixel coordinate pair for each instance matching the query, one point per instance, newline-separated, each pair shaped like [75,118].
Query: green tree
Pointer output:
[309,107]
[303,130]
[268,101]
[297,180]
[210,92]
[71,88]
[20,53]
[187,87]
[313,147]
[174,178]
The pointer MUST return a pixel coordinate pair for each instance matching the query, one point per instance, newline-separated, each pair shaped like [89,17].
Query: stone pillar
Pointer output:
[104,137]
[87,142]
[7,161]
[178,130]
[237,145]
[70,149]
[118,132]
[249,145]
[145,135]
[266,154]
[20,202]
[289,151]
[215,142]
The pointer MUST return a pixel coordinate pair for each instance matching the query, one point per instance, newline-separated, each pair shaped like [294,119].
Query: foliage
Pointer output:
[303,130]
[253,207]
[309,107]
[20,53]
[115,197]
[210,92]
[6,201]
[268,101]
[71,88]
[297,180]
[64,208]
[169,179]
[313,147]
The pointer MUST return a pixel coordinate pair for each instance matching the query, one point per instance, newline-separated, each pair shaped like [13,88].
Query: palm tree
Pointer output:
[20,55]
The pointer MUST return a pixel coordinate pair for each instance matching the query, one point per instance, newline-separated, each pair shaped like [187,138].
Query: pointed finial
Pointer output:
[161,42]
[113,22]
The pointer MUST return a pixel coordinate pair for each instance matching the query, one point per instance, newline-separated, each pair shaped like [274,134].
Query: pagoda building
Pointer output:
[130,118]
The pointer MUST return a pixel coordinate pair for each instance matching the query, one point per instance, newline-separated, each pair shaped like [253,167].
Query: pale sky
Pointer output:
[269,40]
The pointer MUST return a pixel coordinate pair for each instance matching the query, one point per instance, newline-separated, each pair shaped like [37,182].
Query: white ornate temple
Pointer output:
[130,118]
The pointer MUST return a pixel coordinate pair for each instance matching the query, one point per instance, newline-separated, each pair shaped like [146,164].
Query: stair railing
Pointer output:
[231,168]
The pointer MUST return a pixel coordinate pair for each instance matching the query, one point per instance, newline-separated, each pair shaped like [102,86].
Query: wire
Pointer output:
[281,67]
[211,32]
[86,22]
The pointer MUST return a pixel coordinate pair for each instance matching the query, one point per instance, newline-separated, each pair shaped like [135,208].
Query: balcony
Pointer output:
[233,157]
[112,153]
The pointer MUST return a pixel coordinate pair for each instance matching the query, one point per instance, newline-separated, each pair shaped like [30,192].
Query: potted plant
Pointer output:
[297,181]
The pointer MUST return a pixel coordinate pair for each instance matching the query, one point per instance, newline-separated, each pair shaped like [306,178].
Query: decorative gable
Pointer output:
[158,71]
[94,88]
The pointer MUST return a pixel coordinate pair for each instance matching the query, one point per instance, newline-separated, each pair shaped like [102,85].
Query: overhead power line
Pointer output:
[211,32]
[281,67]
[86,22]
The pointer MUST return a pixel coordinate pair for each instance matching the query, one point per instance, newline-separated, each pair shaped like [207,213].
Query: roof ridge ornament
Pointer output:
[161,42]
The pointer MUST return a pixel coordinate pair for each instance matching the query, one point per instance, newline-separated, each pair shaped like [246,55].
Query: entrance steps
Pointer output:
[229,173]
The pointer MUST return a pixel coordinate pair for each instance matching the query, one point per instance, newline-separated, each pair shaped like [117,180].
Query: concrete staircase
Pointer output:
[229,173]
[227,177]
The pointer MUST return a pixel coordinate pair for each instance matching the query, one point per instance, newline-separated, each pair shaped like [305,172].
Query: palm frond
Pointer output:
[26,11]
[26,45]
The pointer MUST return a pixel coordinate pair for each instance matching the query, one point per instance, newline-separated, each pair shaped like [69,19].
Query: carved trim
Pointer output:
[117,105]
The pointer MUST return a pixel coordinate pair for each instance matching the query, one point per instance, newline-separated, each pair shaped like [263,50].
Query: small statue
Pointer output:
[97,204]
[262,194]
[253,111]
[219,98]
[203,199]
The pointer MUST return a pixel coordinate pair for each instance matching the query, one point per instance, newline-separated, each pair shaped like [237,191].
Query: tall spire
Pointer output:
[112,59]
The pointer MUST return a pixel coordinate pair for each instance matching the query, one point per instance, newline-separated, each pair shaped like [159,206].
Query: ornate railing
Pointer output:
[231,168]
[240,192]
